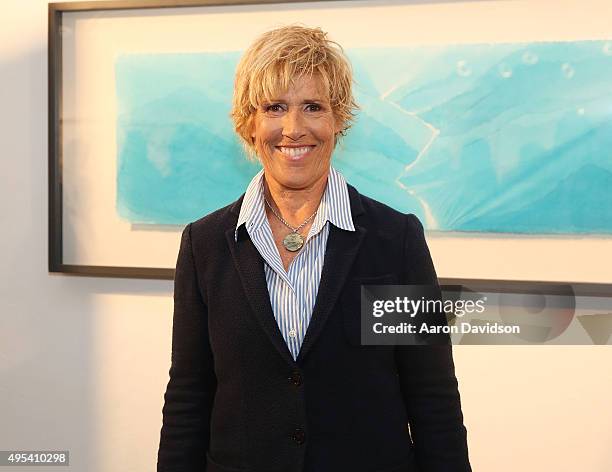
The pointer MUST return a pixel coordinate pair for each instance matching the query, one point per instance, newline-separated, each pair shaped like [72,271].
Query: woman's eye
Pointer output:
[313,107]
[275,107]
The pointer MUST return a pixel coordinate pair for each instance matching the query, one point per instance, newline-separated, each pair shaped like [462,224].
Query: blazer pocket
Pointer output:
[351,305]
[213,466]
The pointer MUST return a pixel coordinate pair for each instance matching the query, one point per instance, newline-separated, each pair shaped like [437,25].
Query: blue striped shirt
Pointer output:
[293,292]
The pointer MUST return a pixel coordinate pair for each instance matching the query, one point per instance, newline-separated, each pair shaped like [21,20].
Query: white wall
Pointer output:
[84,361]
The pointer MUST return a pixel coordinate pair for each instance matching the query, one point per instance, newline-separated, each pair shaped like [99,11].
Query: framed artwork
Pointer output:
[498,138]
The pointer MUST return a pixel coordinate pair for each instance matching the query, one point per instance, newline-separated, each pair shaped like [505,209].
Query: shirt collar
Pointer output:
[252,211]
[335,205]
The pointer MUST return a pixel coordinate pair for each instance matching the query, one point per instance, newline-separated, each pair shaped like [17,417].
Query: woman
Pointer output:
[268,372]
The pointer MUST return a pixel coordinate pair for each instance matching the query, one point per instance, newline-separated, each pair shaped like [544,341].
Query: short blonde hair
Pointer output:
[275,60]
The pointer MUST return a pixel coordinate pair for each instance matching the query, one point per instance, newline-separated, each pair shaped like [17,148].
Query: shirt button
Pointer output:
[299,436]
[292,333]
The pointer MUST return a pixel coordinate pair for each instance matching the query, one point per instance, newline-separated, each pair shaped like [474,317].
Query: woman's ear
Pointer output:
[338,126]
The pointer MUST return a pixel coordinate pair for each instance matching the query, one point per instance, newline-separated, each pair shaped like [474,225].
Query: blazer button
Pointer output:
[299,436]
[296,378]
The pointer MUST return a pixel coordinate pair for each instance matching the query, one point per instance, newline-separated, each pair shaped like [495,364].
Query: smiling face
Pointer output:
[294,136]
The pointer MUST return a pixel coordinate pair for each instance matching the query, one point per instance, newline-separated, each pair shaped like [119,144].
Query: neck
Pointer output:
[295,205]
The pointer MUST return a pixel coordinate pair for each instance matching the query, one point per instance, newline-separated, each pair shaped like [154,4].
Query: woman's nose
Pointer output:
[293,124]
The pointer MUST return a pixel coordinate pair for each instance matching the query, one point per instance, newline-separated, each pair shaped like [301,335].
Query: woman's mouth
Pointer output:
[295,152]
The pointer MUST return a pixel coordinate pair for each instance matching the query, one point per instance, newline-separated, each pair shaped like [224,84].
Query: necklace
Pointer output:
[294,240]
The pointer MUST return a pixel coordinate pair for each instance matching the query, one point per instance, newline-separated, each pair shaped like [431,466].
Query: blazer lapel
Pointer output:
[250,267]
[342,247]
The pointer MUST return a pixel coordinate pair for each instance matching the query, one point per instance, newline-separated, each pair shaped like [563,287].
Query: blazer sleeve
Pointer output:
[427,378]
[185,432]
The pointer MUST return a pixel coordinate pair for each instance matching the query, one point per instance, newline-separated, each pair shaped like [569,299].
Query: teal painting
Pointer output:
[493,138]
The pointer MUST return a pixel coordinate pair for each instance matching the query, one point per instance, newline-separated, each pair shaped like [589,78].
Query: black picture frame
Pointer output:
[55,255]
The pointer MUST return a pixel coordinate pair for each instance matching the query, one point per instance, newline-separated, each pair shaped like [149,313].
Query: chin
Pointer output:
[294,183]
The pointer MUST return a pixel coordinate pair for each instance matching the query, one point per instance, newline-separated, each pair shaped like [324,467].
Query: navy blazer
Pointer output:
[237,401]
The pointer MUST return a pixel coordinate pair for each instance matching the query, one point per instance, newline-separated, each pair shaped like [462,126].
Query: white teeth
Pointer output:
[294,152]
